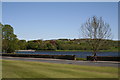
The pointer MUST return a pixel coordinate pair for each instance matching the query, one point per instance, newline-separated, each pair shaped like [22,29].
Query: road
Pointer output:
[89,63]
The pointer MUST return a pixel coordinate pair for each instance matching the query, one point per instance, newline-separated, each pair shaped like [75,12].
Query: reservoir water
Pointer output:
[76,53]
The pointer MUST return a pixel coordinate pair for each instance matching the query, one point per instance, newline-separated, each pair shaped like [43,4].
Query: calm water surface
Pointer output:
[77,54]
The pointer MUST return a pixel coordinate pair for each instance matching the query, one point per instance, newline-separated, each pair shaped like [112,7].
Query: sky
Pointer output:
[55,20]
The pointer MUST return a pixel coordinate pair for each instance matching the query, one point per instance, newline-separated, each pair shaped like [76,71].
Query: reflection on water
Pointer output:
[78,54]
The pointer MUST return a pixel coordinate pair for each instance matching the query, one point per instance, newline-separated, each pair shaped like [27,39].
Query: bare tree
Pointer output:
[96,32]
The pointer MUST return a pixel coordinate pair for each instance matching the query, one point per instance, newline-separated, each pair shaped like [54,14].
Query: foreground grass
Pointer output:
[25,69]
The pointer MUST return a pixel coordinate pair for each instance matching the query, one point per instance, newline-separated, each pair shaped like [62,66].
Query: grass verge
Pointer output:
[26,69]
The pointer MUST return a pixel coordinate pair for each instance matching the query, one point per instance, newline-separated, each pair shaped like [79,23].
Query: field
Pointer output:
[26,69]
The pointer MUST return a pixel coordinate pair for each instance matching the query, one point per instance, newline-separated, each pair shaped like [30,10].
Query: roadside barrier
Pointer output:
[103,58]
[68,57]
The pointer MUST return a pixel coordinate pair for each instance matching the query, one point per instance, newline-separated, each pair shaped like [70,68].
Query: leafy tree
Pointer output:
[50,46]
[22,44]
[59,44]
[32,45]
[9,43]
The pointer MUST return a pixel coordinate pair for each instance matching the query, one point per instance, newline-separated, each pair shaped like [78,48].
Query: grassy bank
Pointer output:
[112,50]
[24,69]
[116,50]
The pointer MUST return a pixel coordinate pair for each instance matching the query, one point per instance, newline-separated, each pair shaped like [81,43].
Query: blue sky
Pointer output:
[54,20]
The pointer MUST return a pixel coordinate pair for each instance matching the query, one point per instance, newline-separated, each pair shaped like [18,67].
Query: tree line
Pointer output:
[10,43]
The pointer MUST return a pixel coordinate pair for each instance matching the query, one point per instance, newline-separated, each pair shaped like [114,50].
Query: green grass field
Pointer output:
[25,69]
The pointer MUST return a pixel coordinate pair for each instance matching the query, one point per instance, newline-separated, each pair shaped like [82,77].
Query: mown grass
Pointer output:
[26,69]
